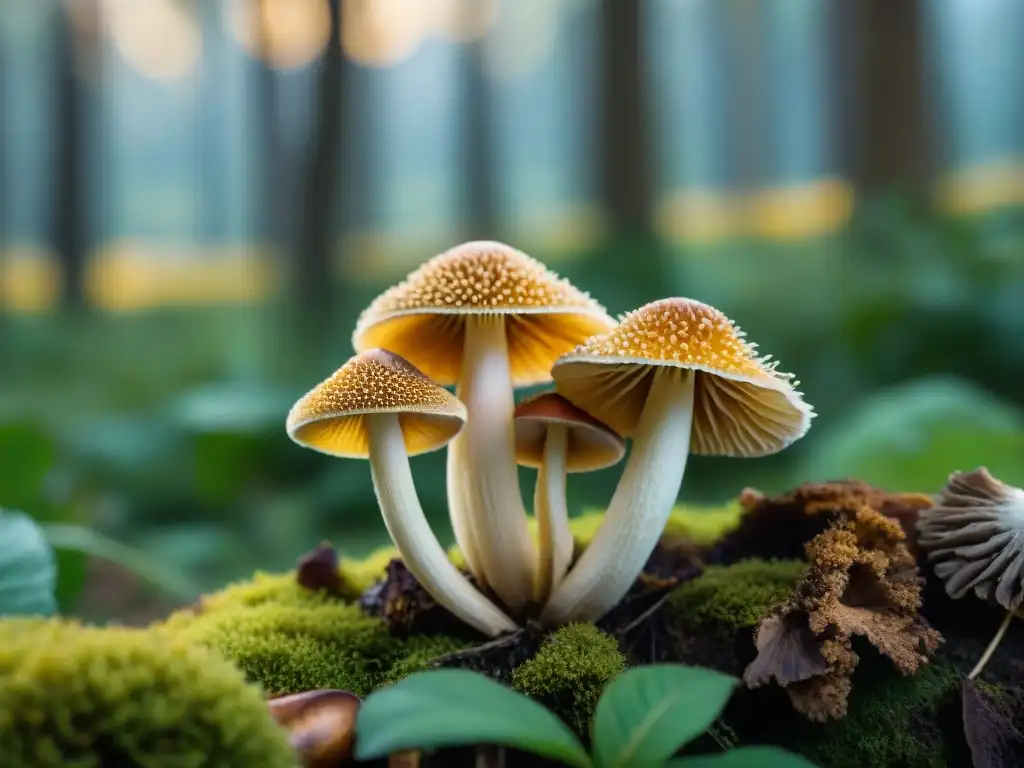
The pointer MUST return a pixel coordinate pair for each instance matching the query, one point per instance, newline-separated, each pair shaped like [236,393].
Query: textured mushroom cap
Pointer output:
[975,536]
[423,317]
[742,405]
[331,417]
[592,445]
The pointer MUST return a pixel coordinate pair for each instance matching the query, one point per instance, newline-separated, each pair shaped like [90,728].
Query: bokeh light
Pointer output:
[160,39]
[296,31]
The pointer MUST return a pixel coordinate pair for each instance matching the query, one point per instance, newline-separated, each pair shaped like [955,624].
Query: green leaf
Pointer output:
[28,572]
[912,435]
[454,708]
[647,713]
[744,757]
[89,542]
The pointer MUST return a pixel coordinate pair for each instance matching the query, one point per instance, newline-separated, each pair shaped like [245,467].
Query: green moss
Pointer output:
[85,697]
[292,639]
[736,596]
[891,722]
[417,653]
[702,525]
[569,672]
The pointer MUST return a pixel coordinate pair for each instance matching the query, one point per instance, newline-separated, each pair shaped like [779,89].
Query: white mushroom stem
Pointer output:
[550,508]
[459,512]
[409,530]
[483,462]
[639,509]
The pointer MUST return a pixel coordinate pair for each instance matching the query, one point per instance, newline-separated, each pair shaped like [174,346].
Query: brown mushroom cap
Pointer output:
[321,724]
[331,417]
[423,317]
[592,445]
[742,406]
[975,536]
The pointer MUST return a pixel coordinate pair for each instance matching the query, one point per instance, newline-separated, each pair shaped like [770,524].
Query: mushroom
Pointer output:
[378,405]
[321,724]
[556,438]
[975,536]
[486,318]
[676,376]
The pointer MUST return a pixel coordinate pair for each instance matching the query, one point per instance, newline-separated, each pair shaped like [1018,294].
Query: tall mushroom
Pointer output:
[379,406]
[556,438]
[486,318]
[677,377]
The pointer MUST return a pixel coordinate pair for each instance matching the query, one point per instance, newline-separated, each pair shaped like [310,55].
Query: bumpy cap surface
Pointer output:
[742,405]
[331,417]
[975,536]
[592,445]
[422,318]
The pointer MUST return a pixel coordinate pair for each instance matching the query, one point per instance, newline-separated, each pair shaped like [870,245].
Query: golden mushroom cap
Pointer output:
[742,405]
[592,445]
[422,318]
[331,417]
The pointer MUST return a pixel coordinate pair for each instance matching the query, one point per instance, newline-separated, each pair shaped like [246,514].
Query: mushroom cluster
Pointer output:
[675,376]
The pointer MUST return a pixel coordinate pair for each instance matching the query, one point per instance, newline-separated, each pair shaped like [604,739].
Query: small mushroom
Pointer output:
[321,724]
[379,406]
[556,438]
[677,377]
[975,537]
[487,318]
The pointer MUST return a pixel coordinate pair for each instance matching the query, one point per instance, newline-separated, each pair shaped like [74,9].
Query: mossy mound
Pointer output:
[569,672]
[72,695]
[892,721]
[300,640]
[734,597]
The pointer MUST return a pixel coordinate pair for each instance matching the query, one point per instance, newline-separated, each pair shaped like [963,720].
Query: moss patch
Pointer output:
[72,695]
[569,672]
[293,640]
[892,721]
[727,598]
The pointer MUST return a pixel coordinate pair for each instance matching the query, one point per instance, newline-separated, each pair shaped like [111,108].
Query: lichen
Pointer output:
[569,672]
[73,695]
[892,721]
[862,582]
[727,598]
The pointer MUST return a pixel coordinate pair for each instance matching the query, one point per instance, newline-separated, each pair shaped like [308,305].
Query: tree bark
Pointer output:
[316,234]
[69,227]
[625,161]
[478,166]
[892,147]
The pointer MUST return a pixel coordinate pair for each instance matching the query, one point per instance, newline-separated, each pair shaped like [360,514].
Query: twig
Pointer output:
[643,616]
[477,650]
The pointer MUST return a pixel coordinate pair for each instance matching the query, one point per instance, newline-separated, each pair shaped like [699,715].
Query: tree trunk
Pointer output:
[625,162]
[478,166]
[69,226]
[317,233]
[267,206]
[891,148]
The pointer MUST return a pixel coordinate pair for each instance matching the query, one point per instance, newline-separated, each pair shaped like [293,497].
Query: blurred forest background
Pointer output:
[197,198]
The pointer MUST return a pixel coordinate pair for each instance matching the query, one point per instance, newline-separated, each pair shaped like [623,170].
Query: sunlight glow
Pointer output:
[160,39]
[297,31]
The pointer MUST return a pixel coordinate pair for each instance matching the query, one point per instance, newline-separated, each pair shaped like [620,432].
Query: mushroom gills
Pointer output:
[551,510]
[412,535]
[640,506]
[483,467]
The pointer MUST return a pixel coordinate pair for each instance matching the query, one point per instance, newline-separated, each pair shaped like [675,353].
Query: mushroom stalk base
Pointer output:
[412,536]
[552,513]
[639,509]
[483,464]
